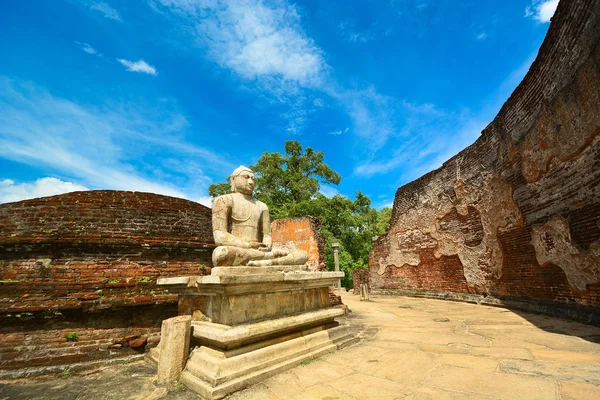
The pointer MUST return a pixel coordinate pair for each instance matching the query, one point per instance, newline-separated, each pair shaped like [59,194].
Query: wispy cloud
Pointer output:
[338,132]
[87,48]
[105,9]
[416,152]
[254,39]
[138,66]
[264,43]
[383,202]
[373,114]
[347,29]
[114,146]
[205,201]
[481,36]
[541,10]
[11,191]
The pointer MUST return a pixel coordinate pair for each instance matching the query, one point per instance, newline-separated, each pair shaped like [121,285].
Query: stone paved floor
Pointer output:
[432,349]
[411,349]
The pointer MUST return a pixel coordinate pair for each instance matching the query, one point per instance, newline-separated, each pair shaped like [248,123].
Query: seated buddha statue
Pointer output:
[242,228]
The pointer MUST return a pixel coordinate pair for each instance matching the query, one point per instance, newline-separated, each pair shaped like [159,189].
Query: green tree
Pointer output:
[284,179]
[219,189]
[352,224]
[289,184]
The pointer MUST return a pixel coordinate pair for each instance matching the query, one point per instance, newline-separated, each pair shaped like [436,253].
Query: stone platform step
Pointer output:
[213,375]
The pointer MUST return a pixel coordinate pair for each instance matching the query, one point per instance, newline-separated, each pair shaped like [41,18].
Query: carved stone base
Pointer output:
[214,372]
[238,295]
[250,323]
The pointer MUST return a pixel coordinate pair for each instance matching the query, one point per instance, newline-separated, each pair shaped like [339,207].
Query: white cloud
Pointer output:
[9,191]
[106,10]
[422,5]
[138,66]
[541,10]
[254,38]
[418,154]
[481,36]
[87,48]
[384,204]
[205,201]
[263,43]
[349,32]
[115,146]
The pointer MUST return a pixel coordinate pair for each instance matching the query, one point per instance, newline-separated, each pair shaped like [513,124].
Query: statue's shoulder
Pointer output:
[223,201]
[261,205]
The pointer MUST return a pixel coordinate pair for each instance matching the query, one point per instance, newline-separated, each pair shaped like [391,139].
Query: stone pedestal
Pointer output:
[249,323]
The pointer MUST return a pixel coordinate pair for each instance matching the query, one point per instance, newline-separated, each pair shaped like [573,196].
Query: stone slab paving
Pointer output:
[431,349]
[411,349]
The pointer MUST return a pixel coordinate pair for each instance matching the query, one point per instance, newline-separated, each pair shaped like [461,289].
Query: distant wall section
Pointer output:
[516,215]
[303,233]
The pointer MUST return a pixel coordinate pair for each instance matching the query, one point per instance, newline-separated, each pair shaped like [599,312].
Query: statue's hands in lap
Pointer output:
[266,245]
[260,246]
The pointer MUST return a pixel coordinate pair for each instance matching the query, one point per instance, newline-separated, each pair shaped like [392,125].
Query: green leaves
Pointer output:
[291,178]
[219,189]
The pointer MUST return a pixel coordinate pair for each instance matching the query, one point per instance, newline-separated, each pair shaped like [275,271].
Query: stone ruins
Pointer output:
[512,220]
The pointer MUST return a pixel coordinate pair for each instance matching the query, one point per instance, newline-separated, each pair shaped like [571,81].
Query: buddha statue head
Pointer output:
[242,180]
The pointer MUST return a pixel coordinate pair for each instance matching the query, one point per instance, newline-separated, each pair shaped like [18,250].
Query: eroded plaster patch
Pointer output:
[428,227]
[553,244]
[404,250]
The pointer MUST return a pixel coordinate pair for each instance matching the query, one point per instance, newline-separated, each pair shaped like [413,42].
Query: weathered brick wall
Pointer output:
[516,215]
[69,260]
[85,265]
[302,233]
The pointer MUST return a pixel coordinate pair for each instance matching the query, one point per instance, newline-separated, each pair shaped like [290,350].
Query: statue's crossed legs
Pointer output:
[230,255]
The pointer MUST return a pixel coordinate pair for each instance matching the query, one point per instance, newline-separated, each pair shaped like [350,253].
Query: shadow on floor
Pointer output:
[561,326]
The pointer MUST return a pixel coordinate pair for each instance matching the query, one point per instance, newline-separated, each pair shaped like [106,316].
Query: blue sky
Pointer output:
[169,96]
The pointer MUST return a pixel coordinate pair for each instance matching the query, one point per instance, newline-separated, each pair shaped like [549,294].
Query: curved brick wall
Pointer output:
[87,262]
[514,218]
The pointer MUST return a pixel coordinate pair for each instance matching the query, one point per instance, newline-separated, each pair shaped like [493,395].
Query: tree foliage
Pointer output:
[289,184]
[284,180]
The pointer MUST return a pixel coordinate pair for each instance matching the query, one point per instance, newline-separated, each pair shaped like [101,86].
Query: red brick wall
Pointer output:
[86,263]
[97,253]
[516,215]
[303,233]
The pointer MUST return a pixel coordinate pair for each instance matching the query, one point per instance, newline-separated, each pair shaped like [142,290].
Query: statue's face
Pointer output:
[244,183]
